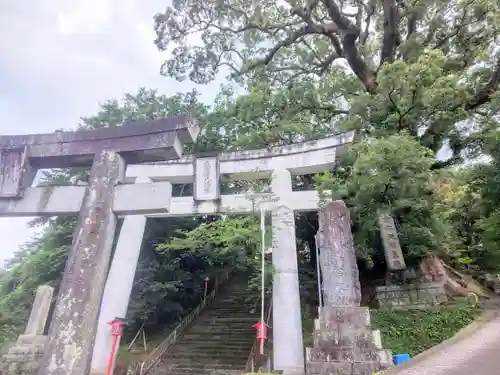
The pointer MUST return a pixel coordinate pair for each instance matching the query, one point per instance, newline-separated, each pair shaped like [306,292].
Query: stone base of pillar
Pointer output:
[344,344]
[24,357]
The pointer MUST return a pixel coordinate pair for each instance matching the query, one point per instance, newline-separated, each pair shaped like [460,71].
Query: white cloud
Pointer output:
[61,59]
[87,17]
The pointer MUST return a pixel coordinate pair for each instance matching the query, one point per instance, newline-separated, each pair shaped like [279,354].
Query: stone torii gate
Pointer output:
[77,319]
[72,331]
[206,172]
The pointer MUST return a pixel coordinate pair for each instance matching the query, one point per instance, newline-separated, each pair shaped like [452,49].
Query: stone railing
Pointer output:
[257,362]
[142,368]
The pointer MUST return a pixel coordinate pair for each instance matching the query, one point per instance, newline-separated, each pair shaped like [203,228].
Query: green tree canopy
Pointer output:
[431,68]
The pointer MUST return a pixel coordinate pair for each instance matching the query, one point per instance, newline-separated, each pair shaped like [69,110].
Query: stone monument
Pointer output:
[398,292]
[344,343]
[24,356]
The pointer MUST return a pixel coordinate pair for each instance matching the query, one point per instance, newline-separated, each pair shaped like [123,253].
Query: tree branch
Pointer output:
[370,12]
[349,34]
[446,163]
[292,38]
[391,38]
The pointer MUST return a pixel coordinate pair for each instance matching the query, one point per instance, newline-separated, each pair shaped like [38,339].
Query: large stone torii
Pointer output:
[107,151]
[74,324]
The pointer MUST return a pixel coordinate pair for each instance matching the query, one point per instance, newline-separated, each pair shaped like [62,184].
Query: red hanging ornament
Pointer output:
[261,334]
[261,329]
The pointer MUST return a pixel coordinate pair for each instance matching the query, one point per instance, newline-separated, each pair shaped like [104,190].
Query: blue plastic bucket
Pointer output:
[400,358]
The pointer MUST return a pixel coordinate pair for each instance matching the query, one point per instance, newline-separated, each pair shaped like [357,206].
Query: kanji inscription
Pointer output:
[206,183]
[392,249]
[337,257]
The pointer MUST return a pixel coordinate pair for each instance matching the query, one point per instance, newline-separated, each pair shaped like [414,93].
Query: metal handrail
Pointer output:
[250,365]
[141,368]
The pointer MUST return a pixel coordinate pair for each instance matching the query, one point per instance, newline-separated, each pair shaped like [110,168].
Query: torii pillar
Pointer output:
[107,151]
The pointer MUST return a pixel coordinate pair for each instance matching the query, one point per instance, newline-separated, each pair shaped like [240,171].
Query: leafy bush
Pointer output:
[414,331]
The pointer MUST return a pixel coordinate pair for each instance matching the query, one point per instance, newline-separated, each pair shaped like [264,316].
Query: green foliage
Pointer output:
[414,331]
[228,240]
[421,67]
[40,261]
[409,85]
[390,173]
[231,240]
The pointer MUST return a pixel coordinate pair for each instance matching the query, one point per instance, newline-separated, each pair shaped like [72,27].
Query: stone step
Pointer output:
[227,320]
[190,369]
[210,347]
[203,363]
[222,352]
[167,371]
[209,355]
[231,309]
[228,317]
[216,344]
[213,346]
[247,331]
[219,338]
[223,323]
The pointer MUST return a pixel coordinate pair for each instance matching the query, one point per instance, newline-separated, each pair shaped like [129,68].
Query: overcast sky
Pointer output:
[61,58]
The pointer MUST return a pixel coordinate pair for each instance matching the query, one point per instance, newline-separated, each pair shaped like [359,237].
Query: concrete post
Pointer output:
[288,347]
[74,324]
[118,287]
[40,311]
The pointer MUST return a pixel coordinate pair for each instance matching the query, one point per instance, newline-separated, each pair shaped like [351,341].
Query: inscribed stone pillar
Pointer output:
[118,287]
[392,248]
[288,347]
[74,324]
[337,257]
[40,310]
[343,340]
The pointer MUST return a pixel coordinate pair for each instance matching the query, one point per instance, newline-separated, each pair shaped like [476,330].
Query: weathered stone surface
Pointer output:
[411,295]
[137,142]
[337,257]
[392,248]
[343,342]
[51,201]
[73,327]
[40,311]
[21,360]
[15,172]
[344,334]
[343,368]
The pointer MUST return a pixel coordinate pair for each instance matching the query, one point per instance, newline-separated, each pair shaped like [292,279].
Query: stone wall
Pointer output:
[410,295]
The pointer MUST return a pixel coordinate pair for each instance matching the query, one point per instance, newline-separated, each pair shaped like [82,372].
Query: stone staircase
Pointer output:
[218,341]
